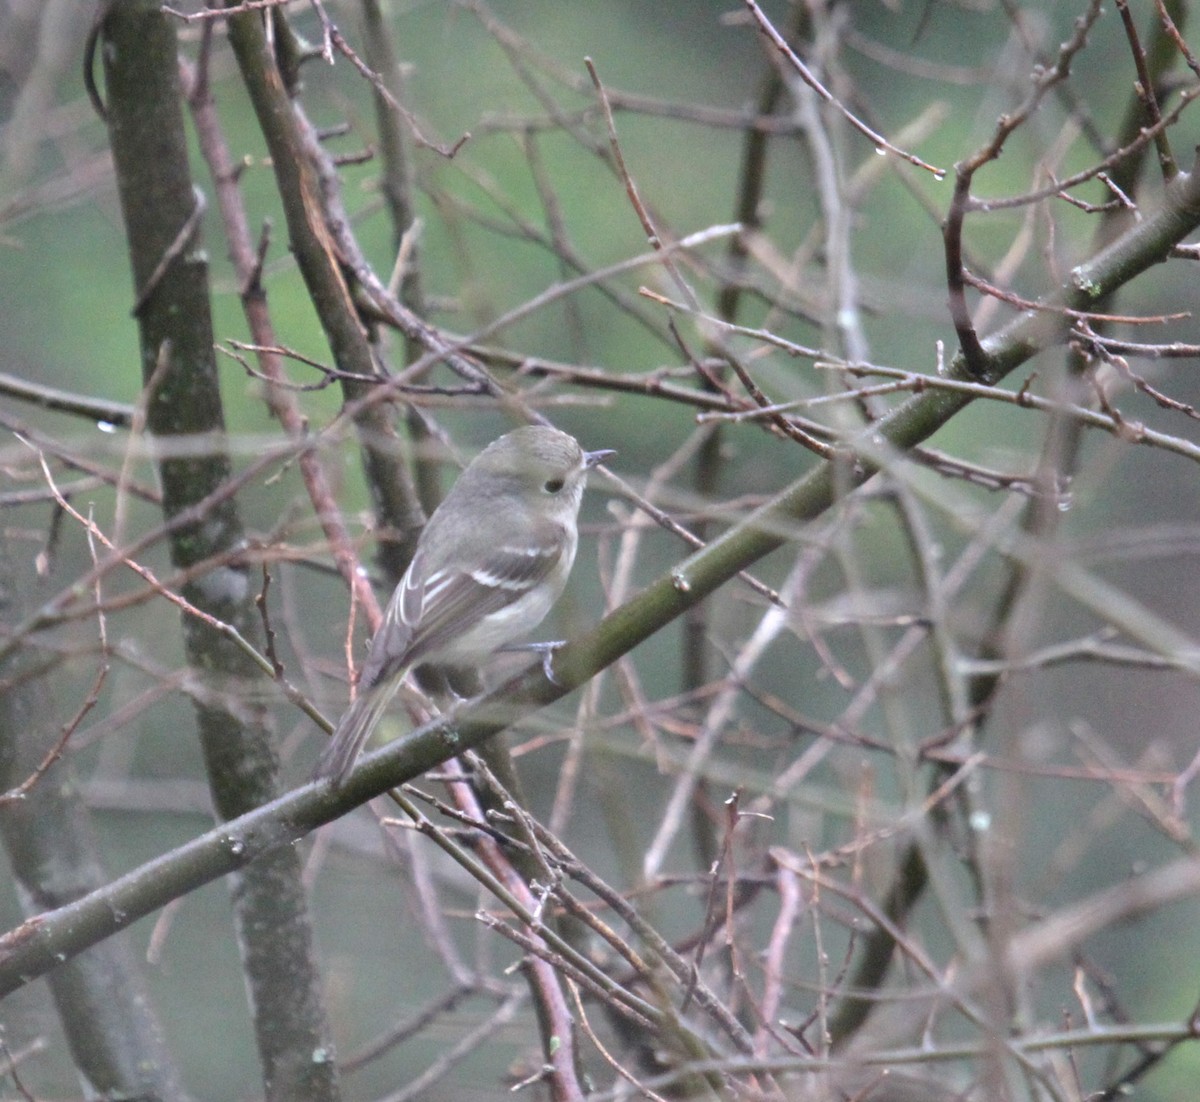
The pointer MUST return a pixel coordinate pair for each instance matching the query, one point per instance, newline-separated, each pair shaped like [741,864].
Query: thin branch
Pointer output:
[789,55]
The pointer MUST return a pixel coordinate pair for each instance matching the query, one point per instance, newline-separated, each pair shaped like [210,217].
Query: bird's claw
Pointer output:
[546,650]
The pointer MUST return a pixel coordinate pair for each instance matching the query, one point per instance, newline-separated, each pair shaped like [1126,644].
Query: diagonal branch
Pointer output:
[39,944]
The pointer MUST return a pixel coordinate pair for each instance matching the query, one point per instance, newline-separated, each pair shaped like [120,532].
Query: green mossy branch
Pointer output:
[39,944]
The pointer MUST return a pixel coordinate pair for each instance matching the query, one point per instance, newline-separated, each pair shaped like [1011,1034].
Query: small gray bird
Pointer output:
[490,563]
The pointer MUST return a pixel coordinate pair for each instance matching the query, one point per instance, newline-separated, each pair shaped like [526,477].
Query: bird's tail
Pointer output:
[353,730]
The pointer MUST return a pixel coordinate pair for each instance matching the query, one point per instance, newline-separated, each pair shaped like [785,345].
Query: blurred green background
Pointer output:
[65,298]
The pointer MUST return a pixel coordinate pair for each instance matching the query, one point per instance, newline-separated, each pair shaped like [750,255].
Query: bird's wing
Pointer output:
[429,610]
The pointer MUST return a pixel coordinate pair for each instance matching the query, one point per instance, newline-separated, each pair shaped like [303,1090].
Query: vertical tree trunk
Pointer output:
[101,997]
[162,211]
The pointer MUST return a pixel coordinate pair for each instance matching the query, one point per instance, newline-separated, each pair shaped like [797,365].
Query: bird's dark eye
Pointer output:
[553,486]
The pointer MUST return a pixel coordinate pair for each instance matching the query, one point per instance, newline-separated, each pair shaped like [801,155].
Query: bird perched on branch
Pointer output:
[490,563]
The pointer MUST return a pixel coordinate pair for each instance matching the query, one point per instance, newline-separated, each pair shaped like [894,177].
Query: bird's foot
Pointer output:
[546,650]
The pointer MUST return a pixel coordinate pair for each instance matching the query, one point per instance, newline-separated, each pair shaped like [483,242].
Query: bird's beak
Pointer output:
[590,459]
